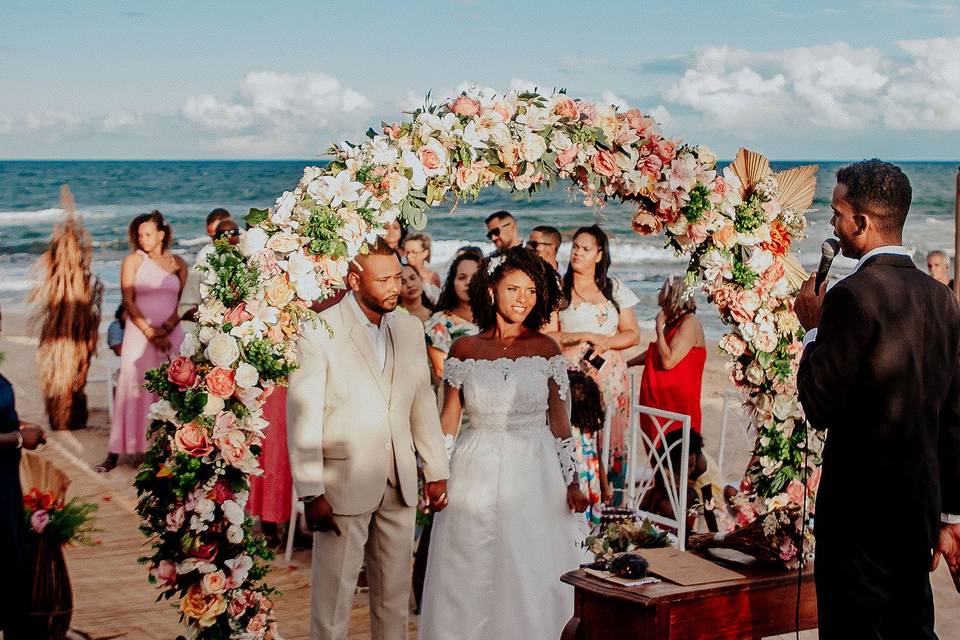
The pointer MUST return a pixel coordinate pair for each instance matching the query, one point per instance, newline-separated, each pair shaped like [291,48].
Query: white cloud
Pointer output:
[609,97]
[6,125]
[662,115]
[52,120]
[832,86]
[120,120]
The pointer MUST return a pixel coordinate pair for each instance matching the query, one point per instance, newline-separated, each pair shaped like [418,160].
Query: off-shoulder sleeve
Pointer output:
[624,295]
[454,372]
[438,332]
[557,369]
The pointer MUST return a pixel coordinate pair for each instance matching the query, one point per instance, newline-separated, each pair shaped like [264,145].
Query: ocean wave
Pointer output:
[44,216]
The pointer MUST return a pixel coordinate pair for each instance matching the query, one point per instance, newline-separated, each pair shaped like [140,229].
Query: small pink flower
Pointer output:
[39,520]
[667,150]
[567,156]
[176,518]
[237,315]
[813,482]
[639,122]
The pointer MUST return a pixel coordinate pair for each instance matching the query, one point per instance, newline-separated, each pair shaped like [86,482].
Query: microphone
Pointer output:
[828,251]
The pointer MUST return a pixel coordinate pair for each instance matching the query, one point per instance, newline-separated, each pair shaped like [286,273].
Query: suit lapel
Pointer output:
[388,369]
[362,341]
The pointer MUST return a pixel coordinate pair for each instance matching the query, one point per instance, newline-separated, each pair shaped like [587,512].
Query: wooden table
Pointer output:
[761,604]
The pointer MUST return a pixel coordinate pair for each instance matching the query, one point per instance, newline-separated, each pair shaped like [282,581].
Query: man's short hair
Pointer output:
[378,247]
[217,215]
[880,189]
[499,215]
[937,253]
[552,234]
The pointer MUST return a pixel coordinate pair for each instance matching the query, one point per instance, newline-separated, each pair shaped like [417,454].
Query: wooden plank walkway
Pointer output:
[112,598]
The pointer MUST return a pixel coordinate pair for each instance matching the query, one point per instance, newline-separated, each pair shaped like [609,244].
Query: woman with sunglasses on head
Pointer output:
[596,325]
[507,533]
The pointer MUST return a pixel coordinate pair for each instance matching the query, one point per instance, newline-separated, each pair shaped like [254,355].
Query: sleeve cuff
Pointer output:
[949,518]
[811,336]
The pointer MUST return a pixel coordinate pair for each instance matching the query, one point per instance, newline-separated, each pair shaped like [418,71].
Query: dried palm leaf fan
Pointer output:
[69,297]
[39,472]
[795,191]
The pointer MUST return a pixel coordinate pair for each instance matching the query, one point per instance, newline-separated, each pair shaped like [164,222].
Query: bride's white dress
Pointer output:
[499,548]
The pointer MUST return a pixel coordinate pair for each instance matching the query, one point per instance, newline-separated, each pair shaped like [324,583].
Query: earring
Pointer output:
[492,301]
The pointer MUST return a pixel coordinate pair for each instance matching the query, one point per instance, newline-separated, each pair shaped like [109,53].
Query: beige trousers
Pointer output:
[385,538]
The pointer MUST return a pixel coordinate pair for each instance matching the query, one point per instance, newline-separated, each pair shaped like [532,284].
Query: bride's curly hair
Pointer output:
[492,270]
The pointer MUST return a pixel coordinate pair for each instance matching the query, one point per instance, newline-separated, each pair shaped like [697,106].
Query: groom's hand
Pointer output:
[436,495]
[949,548]
[319,515]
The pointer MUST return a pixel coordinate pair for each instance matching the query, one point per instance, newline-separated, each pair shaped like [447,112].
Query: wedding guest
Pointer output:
[396,233]
[880,372]
[151,279]
[416,249]
[470,248]
[14,587]
[454,317]
[674,362]
[190,297]
[938,266]
[598,320]
[587,416]
[502,230]
[115,330]
[545,242]
[413,299]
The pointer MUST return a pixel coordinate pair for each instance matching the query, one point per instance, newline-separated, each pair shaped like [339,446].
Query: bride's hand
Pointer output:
[576,501]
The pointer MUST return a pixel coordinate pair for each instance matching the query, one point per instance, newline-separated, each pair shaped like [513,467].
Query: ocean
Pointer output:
[110,193]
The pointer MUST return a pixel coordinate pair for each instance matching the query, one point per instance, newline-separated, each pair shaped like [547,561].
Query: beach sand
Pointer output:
[101,608]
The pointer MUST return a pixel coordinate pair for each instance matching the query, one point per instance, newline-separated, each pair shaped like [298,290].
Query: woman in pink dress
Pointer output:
[151,279]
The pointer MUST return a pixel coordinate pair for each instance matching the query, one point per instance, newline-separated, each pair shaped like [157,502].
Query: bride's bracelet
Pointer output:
[567,452]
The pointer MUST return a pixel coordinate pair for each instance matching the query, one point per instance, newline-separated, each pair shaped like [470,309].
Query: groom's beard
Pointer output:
[380,306]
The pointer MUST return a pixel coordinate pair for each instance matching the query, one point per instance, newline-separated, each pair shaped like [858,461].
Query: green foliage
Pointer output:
[743,275]
[699,203]
[322,228]
[234,279]
[262,354]
[256,216]
[749,215]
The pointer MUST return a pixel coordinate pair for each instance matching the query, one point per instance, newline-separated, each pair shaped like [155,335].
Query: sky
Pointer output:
[269,80]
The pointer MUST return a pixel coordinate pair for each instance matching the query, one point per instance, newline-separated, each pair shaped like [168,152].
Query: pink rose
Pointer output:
[192,440]
[464,106]
[257,623]
[182,373]
[645,223]
[720,186]
[638,122]
[39,520]
[697,232]
[237,315]
[236,607]
[393,131]
[605,164]
[795,491]
[740,314]
[429,158]
[567,108]
[589,112]
[651,166]
[234,448]
[813,482]
[667,150]
[220,382]
[165,573]
[567,156]
[176,518]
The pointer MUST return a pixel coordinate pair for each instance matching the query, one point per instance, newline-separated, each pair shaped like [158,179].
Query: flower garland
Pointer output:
[208,425]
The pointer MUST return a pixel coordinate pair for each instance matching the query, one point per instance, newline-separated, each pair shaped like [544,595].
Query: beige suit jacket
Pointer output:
[349,423]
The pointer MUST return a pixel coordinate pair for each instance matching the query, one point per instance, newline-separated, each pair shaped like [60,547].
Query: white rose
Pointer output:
[206,334]
[561,140]
[705,155]
[214,405]
[317,189]
[760,261]
[246,375]
[399,187]
[234,535]
[754,373]
[532,147]
[303,276]
[252,240]
[162,410]
[309,175]
[627,161]
[765,341]
[786,406]
[749,331]
[750,302]
[190,345]
[222,350]
[233,512]
[283,242]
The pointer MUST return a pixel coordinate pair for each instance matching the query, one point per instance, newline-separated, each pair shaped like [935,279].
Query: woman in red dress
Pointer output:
[674,362]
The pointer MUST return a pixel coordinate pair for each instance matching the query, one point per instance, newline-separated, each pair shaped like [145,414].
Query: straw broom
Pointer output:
[69,298]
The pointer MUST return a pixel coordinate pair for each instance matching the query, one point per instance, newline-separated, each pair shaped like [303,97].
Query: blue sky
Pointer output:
[811,80]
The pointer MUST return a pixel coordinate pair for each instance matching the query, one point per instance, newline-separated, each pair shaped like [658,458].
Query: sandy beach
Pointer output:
[86,447]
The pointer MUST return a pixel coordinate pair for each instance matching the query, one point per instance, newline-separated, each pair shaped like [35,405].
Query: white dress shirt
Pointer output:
[377,334]
[811,336]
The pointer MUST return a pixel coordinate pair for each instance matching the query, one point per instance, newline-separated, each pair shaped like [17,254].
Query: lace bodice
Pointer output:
[507,394]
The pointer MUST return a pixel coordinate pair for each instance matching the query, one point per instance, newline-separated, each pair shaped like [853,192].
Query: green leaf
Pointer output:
[256,216]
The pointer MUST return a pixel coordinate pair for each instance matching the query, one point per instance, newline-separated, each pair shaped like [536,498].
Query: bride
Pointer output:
[507,534]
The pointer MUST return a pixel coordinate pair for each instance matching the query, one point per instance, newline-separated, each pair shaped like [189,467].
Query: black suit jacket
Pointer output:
[883,377]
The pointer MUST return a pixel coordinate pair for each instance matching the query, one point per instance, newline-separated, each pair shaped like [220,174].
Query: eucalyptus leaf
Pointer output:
[256,216]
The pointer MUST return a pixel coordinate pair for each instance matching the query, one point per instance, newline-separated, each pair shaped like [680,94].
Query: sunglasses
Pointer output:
[535,244]
[495,232]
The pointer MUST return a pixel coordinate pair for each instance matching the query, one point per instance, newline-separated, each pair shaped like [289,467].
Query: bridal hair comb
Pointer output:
[494,263]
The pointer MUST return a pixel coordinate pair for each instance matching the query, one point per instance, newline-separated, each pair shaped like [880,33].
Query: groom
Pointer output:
[881,370]
[358,408]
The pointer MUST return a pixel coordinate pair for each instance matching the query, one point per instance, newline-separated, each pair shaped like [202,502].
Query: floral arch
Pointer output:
[736,225]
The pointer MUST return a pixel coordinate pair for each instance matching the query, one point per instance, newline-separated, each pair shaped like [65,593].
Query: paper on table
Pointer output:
[686,568]
[623,582]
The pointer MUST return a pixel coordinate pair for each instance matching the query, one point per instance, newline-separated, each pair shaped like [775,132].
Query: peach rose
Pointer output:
[466,176]
[192,440]
[213,582]
[465,106]
[237,315]
[182,373]
[697,232]
[567,108]
[605,164]
[234,448]
[567,156]
[429,158]
[502,109]
[219,381]
[638,122]
[720,186]
[278,291]
[257,623]
[645,223]
[392,131]
[204,608]
[236,607]
[725,236]
[667,150]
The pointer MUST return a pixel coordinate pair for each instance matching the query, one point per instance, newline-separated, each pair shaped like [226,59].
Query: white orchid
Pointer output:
[283,208]
[418,177]
[341,188]
[382,152]
[302,272]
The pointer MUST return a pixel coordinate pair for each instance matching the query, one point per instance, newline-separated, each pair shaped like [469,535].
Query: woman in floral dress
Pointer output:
[599,318]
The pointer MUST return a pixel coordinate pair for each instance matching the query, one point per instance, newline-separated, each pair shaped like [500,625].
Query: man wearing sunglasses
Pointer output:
[502,230]
[545,242]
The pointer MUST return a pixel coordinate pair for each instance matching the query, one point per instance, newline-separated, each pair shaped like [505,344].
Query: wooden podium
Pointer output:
[762,603]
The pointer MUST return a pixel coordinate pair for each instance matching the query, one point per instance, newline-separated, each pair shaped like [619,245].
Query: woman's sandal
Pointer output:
[107,465]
